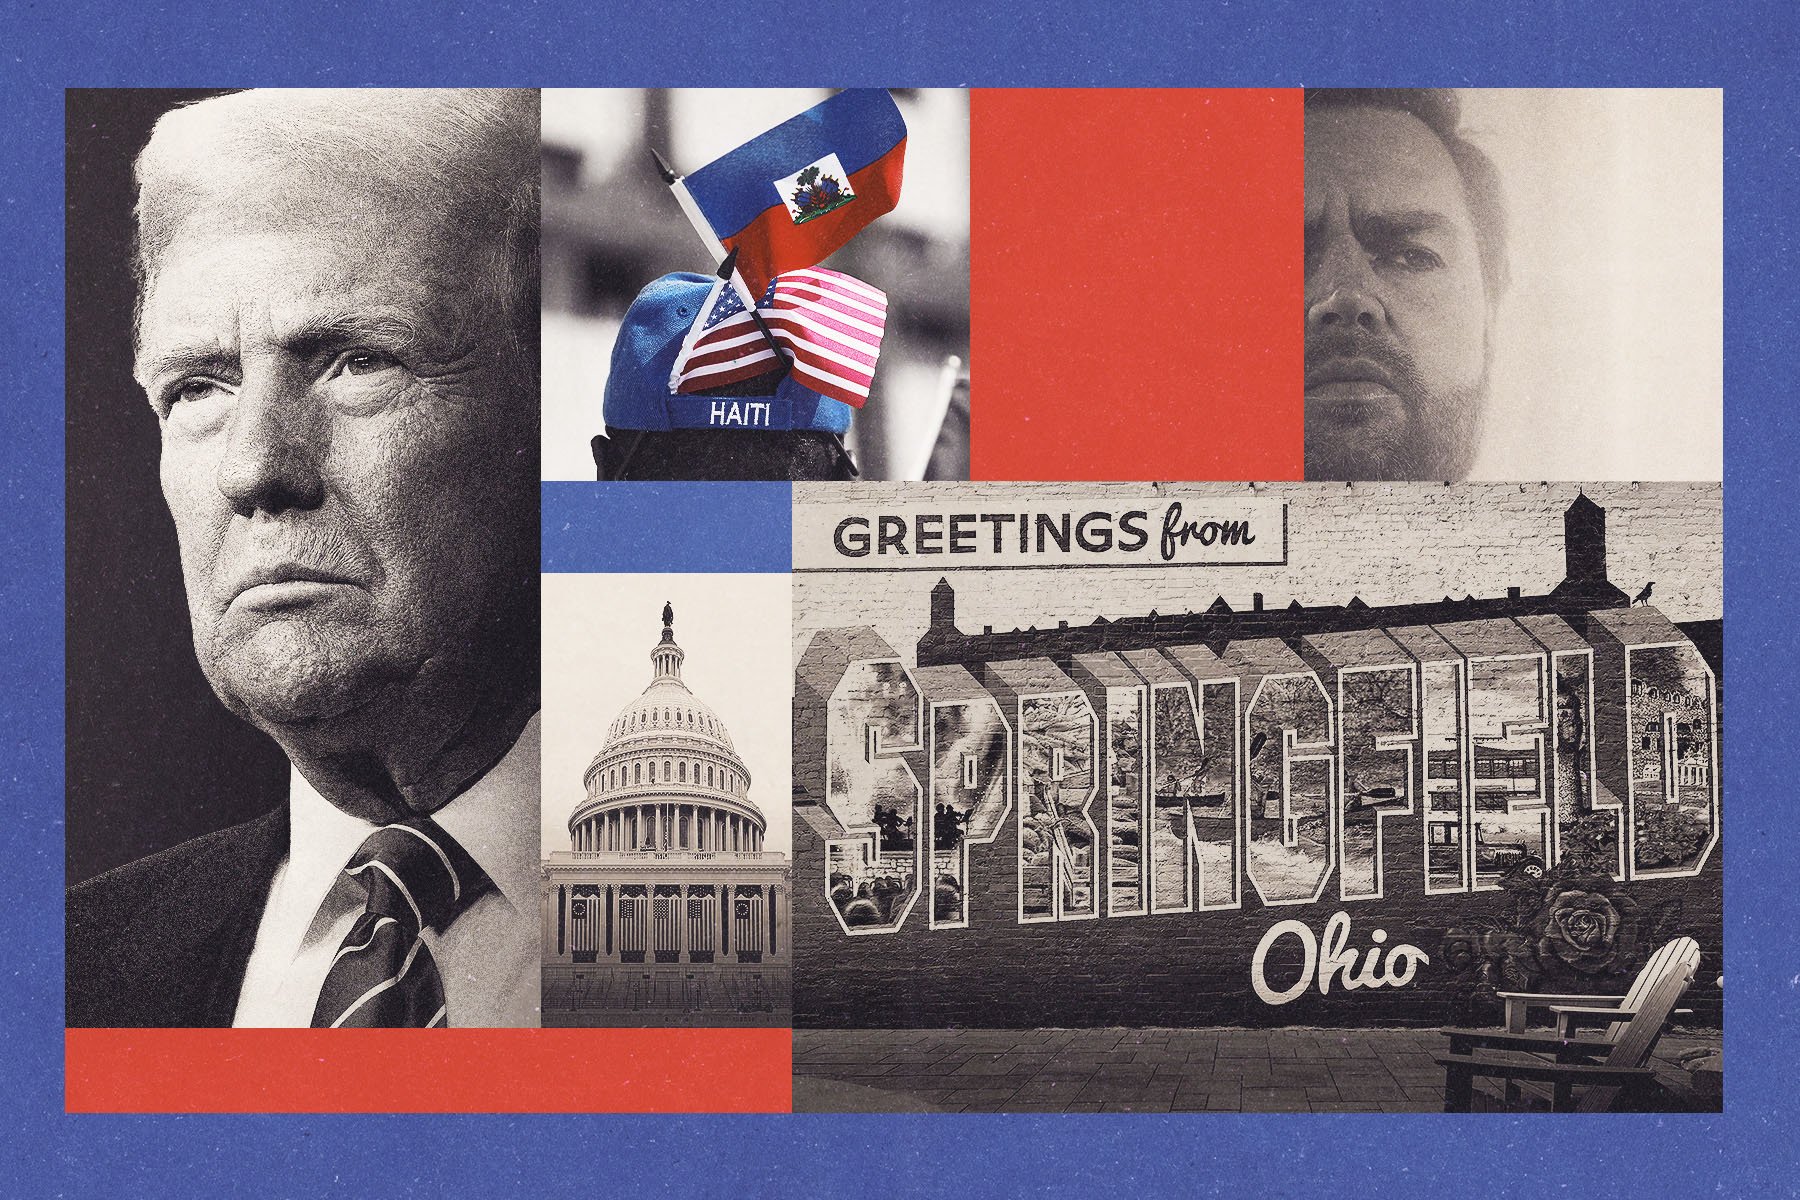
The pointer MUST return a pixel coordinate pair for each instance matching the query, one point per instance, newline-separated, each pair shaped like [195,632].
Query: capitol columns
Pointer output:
[613,896]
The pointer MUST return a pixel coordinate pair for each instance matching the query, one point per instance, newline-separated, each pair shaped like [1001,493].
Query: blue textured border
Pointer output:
[1748,48]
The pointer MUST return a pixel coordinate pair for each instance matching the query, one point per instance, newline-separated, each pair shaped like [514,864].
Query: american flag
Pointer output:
[829,324]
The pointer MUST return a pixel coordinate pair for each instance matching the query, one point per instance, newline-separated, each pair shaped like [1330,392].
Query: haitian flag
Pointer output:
[790,197]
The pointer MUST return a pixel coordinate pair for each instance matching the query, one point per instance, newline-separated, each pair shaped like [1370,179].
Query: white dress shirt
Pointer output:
[489,956]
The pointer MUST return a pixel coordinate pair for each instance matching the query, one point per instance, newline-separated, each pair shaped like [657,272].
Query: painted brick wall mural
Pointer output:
[1138,754]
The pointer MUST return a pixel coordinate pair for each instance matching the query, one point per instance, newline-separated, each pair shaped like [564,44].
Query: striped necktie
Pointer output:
[417,878]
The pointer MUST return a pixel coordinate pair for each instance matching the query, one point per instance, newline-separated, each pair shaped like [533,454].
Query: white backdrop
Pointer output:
[1609,346]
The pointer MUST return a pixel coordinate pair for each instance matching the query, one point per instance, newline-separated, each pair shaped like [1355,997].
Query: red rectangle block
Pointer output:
[409,1070]
[1136,259]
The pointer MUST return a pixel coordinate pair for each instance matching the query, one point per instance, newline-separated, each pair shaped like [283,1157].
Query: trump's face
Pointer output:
[348,458]
[1396,314]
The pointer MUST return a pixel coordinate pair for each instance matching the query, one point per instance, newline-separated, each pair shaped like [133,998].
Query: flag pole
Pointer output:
[728,271]
[689,207]
[727,262]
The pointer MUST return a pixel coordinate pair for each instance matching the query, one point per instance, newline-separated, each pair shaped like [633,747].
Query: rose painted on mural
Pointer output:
[1460,950]
[1568,929]
[1588,927]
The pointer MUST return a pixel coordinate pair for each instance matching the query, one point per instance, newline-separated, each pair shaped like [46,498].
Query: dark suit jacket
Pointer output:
[162,942]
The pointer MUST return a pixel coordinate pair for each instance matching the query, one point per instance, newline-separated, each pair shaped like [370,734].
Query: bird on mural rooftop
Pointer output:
[1643,597]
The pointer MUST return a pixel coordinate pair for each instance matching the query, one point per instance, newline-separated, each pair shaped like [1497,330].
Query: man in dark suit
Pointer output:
[337,332]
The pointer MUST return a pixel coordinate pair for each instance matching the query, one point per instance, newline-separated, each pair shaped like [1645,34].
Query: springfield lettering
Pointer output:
[1183,778]
[1144,532]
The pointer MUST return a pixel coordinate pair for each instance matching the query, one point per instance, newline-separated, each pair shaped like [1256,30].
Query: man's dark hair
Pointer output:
[1441,111]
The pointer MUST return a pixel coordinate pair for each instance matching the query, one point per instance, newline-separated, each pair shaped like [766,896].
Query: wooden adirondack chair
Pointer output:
[1606,1066]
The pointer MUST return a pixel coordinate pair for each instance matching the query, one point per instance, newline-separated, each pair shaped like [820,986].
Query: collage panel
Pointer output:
[756,283]
[1349,763]
[1514,283]
[666,890]
[527,561]
[302,733]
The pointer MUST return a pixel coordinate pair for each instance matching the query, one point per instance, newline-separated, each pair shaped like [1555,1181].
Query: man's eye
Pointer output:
[193,389]
[364,362]
[1413,258]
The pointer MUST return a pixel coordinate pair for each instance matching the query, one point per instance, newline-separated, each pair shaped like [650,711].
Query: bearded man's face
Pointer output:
[1396,313]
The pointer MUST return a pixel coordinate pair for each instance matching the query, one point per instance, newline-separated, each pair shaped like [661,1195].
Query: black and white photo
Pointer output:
[328,326]
[666,891]
[1514,283]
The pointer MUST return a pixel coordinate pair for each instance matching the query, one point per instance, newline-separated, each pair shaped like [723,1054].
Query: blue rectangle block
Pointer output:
[664,527]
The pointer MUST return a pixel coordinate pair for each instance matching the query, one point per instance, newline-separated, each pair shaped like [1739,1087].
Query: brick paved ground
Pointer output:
[1129,1070]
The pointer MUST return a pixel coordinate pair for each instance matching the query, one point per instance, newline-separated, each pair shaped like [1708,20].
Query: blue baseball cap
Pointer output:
[643,357]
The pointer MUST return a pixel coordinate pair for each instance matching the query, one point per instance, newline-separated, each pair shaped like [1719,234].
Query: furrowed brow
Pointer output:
[184,360]
[381,329]
[1399,224]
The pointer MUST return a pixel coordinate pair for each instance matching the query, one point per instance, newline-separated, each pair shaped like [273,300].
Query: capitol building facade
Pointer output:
[667,909]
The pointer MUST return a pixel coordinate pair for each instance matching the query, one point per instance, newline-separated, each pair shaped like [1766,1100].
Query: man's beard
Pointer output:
[1435,438]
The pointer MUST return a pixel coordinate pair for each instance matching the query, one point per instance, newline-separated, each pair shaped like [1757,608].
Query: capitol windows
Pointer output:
[709,781]
[683,772]
[640,772]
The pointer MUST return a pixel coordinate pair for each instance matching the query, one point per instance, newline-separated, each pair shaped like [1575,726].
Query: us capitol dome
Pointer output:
[666,908]
[667,776]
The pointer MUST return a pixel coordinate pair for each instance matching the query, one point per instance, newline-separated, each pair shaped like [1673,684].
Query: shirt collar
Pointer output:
[495,820]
